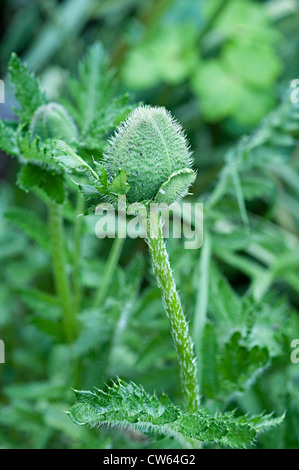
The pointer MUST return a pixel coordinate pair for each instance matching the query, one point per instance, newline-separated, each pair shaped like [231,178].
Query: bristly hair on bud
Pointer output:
[52,121]
[151,147]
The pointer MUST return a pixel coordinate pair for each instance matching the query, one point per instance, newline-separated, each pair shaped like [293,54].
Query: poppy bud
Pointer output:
[51,121]
[152,149]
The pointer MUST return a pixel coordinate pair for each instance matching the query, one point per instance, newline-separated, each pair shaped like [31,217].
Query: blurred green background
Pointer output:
[216,65]
[220,66]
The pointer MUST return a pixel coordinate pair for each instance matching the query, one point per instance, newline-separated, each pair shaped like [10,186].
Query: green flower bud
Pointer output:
[51,121]
[151,148]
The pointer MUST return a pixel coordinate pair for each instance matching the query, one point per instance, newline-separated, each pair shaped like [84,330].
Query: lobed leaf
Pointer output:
[90,90]
[8,137]
[27,89]
[31,176]
[127,405]
[70,160]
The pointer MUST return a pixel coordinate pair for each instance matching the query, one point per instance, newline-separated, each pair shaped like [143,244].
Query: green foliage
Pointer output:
[30,223]
[31,176]
[90,91]
[31,141]
[129,406]
[27,89]
[74,163]
[8,141]
[168,54]
[37,168]
[71,161]
[218,68]
[92,99]
[231,66]
[233,368]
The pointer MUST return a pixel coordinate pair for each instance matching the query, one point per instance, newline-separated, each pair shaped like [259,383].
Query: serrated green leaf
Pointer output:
[37,152]
[52,184]
[257,187]
[91,89]
[129,406]
[239,365]
[262,422]
[123,404]
[71,161]
[107,118]
[8,137]
[90,192]
[27,89]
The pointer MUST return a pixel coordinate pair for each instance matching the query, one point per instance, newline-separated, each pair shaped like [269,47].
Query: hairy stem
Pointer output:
[178,323]
[57,241]
[109,270]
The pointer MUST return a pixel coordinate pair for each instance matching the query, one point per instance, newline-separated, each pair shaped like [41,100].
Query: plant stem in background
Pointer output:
[57,241]
[71,17]
[178,323]
[211,21]
[201,305]
[109,270]
[77,253]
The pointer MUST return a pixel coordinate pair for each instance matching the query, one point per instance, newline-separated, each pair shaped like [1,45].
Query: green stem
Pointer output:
[178,323]
[77,254]
[109,270]
[57,241]
[201,305]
